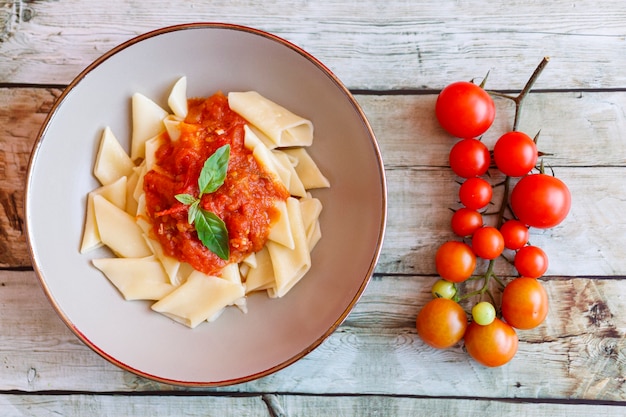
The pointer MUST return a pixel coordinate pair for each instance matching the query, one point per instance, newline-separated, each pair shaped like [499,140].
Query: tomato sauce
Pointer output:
[245,202]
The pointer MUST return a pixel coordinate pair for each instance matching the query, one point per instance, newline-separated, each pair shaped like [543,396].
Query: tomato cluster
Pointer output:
[489,331]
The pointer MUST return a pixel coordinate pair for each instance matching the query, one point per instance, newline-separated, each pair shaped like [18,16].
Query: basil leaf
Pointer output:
[185,198]
[193,211]
[214,170]
[212,233]
[211,229]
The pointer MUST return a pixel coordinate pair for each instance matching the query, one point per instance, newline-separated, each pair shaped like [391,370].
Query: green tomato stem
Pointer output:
[519,99]
[490,274]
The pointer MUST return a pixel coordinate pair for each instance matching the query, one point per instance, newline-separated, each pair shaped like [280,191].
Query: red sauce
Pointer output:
[245,202]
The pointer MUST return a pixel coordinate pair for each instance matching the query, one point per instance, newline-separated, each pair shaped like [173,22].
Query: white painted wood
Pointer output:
[577,128]
[370,406]
[420,186]
[590,240]
[577,353]
[80,405]
[370,45]
[397,54]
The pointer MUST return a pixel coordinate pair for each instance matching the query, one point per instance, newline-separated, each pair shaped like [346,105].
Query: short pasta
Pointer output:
[119,217]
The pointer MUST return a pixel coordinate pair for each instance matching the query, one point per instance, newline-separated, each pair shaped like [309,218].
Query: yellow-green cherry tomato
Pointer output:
[484,313]
[443,289]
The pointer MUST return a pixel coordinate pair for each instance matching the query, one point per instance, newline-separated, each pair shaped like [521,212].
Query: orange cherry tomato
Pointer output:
[487,242]
[492,345]
[515,234]
[441,323]
[524,303]
[531,261]
[455,261]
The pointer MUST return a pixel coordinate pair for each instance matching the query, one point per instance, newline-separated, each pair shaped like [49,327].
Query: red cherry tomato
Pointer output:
[514,233]
[487,242]
[466,221]
[475,193]
[515,154]
[465,110]
[531,261]
[455,261]
[541,200]
[492,345]
[441,323]
[469,158]
[524,303]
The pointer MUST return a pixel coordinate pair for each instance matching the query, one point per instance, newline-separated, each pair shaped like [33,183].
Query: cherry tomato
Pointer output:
[483,313]
[514,233]
[441,323]
[531,261]
[515,154]
[475,193]
[492,345]
[455,261]
[469,158]
[466,221]
[524,303]
[541,200]
[443,289]
[487,242]
[465,110]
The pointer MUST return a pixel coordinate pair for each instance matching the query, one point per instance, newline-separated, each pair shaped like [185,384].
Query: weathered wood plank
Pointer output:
[390,45]
[594,231]
[581,345]
[21,114]
[567,122]
[16,405]
[374,364]
[80,405]
[421,188]
[365,406]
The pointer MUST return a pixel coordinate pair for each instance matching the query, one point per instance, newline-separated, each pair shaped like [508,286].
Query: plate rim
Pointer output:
[31,244]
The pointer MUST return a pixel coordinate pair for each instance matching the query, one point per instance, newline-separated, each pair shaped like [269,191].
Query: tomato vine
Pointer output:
[466,111]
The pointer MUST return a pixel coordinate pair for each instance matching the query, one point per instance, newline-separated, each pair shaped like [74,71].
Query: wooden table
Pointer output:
[395,56]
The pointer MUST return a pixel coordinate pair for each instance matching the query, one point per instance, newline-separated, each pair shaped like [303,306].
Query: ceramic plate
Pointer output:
[275,332]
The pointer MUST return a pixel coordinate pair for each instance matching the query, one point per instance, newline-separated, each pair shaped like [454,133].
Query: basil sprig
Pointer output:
[211,229]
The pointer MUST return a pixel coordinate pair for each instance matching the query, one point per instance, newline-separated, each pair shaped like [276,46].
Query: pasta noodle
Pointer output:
[199,299]
[280,125]
[115,193]
[136,278]
[118,230]
[117,215]
[112,161]
[147,123]
[290,265]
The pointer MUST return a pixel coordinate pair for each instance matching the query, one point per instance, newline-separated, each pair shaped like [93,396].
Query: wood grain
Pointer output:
[395,55]
[581,346]
[567,123]
[393,45]
[22,113]
[420,185]
[124,405]
[366,406]
[80,405]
